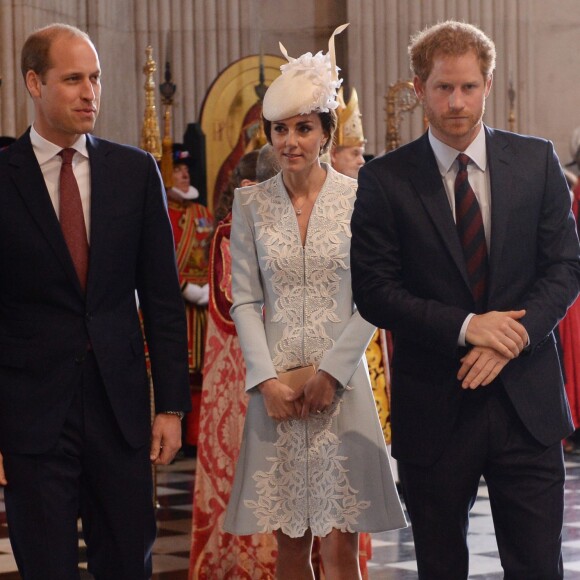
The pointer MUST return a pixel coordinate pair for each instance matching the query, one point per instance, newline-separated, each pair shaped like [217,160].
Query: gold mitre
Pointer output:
[349,132]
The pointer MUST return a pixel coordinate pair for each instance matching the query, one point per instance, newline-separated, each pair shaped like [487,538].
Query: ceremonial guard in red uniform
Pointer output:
[192,226]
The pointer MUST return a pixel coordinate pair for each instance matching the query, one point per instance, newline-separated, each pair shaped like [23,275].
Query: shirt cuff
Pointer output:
[461,340]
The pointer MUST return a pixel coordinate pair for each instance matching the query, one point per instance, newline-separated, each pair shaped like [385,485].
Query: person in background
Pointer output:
[313,460]
[267,165]
[83,224]
[569,328]
[244,174]
[465,247]
[347,151]
[192,225]
[215,553]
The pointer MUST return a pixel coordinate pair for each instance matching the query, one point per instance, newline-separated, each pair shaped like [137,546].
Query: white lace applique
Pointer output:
[307,484]
[304,281]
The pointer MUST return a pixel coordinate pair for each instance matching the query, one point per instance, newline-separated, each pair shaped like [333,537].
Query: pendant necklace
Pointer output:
[298,210]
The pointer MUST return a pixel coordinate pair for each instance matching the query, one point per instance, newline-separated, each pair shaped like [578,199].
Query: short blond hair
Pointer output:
[450,38]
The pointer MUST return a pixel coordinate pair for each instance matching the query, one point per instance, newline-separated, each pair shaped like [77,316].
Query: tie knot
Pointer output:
[67,155]
[463,161]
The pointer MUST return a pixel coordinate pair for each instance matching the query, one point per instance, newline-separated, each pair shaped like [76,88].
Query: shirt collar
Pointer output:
[46,150]
[446,155]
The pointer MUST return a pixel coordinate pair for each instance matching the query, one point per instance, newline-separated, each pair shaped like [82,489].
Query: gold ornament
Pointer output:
[349,132]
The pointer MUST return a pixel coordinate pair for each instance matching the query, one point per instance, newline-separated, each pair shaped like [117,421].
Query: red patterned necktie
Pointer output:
[72,220]
[471,233]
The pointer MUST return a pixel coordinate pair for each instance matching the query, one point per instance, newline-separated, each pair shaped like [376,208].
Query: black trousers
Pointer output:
[526,491]
[91,473]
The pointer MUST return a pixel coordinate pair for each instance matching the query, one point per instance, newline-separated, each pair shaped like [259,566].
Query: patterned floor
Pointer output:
[393,553]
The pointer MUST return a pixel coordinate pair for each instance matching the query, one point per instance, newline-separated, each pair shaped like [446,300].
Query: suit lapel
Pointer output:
[499,158]
[102,194]
[427,181]
[31,187]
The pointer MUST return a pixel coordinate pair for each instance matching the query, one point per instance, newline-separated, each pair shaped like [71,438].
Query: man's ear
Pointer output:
[33,83]
[488,83]
[419,87]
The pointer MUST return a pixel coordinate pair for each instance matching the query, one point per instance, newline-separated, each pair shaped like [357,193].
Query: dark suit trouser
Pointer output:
[91,472]
[526,490]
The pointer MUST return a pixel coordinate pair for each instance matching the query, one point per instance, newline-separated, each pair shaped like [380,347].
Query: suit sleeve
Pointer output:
[161,302]
[378,264]
[558,259]
[248,299]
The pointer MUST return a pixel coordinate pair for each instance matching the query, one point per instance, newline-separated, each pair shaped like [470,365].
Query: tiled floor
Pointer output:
[393,553]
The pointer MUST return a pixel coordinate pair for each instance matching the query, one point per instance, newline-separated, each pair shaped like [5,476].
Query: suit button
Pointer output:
[88,317]
[80,359]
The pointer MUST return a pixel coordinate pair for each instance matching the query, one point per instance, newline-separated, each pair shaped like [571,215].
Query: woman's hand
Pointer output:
[319,392]
[282,403]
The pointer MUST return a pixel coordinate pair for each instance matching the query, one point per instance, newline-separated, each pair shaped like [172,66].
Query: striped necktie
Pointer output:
[71,216]
[471,233]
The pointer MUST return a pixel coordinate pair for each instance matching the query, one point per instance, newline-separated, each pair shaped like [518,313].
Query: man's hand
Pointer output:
[2,474]
[480,366]
[281,402]
[500,331]
[319,392]
[165,438]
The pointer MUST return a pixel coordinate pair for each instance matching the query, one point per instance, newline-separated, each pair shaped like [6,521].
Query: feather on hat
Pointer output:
[307,84]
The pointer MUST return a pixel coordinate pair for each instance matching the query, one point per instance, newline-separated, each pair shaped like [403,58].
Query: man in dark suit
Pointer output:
[75,243]
[471,262]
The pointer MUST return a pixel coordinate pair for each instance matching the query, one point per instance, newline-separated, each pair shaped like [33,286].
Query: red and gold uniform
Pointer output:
[192,226]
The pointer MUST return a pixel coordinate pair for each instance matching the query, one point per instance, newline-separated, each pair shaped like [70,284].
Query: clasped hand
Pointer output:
[497,338]
[282,403]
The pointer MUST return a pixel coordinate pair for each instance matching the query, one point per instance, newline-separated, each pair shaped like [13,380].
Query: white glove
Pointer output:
[192,293]
[204,298]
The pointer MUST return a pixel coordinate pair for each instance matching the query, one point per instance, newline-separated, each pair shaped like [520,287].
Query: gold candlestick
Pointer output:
[167,90]
[150,136]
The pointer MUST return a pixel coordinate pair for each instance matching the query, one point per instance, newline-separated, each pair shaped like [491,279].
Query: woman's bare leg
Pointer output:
[294,557]
[339,551]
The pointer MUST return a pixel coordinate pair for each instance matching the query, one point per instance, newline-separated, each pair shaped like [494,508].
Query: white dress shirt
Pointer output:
[47,154]
[478,176]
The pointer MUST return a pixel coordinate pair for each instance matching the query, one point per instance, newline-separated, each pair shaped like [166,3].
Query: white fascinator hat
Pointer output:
[307,84]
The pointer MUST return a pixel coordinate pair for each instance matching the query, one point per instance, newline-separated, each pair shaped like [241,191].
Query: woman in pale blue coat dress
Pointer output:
[313,461]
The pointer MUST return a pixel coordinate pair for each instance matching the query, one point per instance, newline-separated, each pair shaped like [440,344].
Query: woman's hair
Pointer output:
[245,169]
[35,54]
[327,120]
[450,38]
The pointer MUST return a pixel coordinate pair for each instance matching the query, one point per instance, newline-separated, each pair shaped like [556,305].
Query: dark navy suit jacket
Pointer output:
[409,276]
[46,322]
